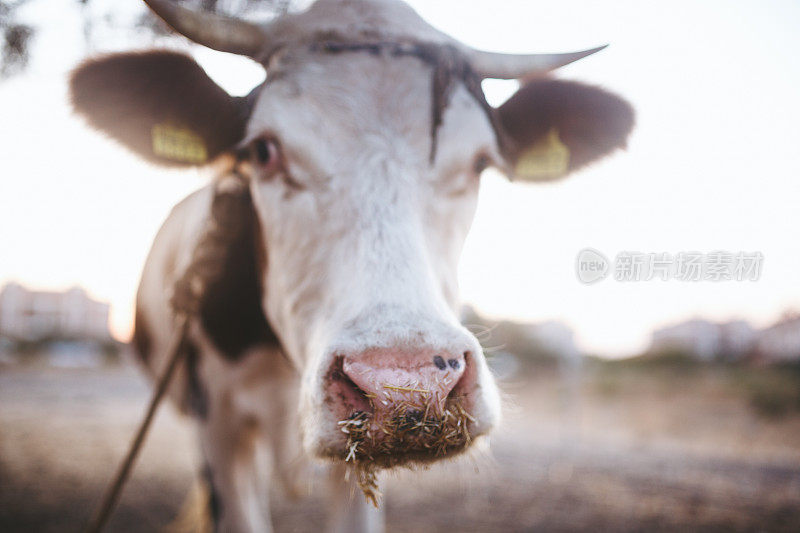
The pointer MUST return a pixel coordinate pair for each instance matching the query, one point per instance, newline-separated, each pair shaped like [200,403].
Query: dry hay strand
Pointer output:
[416,432]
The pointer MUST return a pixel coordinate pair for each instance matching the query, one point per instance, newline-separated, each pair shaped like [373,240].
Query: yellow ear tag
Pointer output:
[547,159]
[178,144]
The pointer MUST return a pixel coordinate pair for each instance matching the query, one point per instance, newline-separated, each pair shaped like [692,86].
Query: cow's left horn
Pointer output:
[514,66]
[225,34]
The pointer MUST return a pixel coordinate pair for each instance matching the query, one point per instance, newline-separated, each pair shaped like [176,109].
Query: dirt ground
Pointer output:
[640,454]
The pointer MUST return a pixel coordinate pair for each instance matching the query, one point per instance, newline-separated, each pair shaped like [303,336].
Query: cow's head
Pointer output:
[364,149]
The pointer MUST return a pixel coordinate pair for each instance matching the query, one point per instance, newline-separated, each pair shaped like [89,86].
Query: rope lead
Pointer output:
[114,490]
[207,264]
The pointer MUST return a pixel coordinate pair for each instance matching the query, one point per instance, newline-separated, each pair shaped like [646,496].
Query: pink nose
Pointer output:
[402,404]
[419,377]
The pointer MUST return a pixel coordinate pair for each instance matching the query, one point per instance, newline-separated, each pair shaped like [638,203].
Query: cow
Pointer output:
[345,184]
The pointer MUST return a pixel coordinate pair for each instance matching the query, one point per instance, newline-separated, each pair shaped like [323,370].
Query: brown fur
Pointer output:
[142,340]
[230,309]
[196,397]
[592,122]
[125,95]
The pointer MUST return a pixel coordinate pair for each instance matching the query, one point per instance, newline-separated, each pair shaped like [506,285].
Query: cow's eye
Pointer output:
[267,154]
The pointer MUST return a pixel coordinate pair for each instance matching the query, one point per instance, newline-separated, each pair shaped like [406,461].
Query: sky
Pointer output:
[713,164]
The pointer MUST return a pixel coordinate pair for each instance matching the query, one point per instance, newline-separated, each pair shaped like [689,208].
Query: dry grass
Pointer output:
[419,429]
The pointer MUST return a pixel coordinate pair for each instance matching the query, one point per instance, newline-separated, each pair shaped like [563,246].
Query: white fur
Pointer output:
[365,255]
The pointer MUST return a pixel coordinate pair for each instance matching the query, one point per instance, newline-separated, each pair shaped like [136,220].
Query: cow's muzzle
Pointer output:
[401,405]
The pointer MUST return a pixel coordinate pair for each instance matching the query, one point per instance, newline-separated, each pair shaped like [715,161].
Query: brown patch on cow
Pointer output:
[127,95]
[214,500]
[142,339]
[196,400]
[259,248]
[592,122]
[231,309]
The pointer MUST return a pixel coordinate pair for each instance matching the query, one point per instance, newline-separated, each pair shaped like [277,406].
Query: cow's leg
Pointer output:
[281,432]
[348,509]
[229,449]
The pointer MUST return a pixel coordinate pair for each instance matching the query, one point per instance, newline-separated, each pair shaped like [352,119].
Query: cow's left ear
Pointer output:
[553,127]
[159,104]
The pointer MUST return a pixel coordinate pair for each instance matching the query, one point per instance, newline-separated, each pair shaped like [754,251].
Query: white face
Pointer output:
[362,231]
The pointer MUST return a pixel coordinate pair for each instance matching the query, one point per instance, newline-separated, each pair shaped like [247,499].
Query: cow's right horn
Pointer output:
[517,66]
[219,32]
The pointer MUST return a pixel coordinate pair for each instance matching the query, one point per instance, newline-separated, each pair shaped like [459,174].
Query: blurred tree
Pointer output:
[17,36]
[15,39]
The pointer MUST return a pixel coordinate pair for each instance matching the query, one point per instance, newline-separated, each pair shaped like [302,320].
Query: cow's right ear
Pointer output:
[159,104]
[553,127]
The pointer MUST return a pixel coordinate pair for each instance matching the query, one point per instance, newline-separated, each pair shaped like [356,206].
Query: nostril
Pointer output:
[456,363]
[343,391]
[468,378]
[439,362]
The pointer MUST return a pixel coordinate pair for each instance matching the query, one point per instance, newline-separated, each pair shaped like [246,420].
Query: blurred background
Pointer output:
[630,405]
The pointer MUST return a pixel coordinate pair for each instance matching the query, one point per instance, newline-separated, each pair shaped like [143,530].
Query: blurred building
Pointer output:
[554,337]
[549,342]
[707,340]
[737,339]
[781,341]
[27,315]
